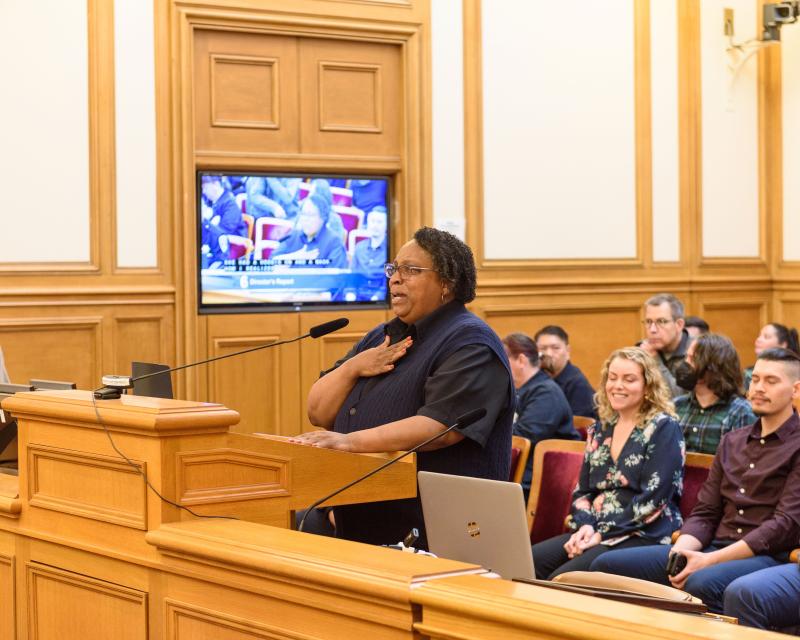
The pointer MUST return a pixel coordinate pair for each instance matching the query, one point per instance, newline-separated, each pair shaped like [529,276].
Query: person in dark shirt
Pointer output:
[747,516]
[410,378]
[226,218]
[666,339]
[368,194]
[370,254]
[312,243]
[553,345]
[542,409]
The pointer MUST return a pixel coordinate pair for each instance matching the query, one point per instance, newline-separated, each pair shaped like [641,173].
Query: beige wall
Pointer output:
[587,170]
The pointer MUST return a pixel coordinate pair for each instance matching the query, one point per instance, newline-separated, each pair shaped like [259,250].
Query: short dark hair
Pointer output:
[786,336]
[552,330]
[322,205]
[452,260]
[716,358]
[675,305]
[779,354]
[517,343]
[697,322]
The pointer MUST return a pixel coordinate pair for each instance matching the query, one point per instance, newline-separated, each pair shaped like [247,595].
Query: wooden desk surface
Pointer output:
[474,607]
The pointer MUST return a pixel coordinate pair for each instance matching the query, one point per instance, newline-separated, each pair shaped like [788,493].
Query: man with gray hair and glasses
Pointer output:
[666,339]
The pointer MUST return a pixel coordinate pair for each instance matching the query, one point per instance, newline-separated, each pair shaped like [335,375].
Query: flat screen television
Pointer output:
[278,242]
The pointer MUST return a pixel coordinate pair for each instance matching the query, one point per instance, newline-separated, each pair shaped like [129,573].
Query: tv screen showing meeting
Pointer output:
[278,242]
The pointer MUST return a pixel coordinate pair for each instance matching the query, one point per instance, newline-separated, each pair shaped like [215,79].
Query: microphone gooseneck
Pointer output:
[462,421]
[125,382]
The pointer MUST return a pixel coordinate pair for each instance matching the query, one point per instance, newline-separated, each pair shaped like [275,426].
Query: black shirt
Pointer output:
[578,391]
[472,372]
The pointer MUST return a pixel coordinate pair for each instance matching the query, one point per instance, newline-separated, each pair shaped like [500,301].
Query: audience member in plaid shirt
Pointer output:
[714,405]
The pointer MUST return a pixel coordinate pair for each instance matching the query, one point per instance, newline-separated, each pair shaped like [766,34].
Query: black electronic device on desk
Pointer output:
[52,385]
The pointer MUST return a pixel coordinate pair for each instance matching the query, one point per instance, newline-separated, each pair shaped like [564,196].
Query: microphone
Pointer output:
[113,385]
[462,421]
[327,327]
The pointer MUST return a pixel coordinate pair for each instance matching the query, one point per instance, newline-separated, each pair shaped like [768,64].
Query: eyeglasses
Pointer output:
[658,322]
[405,270]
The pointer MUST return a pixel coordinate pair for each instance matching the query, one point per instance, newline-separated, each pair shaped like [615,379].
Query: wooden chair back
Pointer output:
[520,451]
[556,466]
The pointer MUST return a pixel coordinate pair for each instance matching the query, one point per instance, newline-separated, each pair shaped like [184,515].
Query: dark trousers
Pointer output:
[767,599]
[316,522]
[707,584]
[550,559]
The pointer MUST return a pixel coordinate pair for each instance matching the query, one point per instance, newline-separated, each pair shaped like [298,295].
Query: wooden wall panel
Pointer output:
[139,338]
[8,598]
[595,328]
[787,308]
[62,604]
[185,621]
[351,98]
[102,488]
[246,92]
[54,348]
[739,318]
[262,386]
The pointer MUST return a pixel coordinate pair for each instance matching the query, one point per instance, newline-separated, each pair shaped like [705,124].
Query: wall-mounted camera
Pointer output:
[778,14]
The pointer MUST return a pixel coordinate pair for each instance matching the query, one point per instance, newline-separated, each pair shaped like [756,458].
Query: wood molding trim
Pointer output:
[121,605]
[94,472]
[273,65]
[643,132]
[242,475]
[8,593]
[377,117]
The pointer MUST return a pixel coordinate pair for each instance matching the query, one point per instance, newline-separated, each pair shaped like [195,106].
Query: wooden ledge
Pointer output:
[326,562]
[472,607]
[10,504]
[128,413]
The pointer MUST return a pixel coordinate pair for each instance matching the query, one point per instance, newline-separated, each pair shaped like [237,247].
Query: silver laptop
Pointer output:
[478,521]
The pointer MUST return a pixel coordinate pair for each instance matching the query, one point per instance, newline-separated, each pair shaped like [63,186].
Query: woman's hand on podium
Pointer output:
[324,439]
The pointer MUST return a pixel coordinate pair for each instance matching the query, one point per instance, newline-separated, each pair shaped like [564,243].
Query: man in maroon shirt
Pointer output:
[747,515]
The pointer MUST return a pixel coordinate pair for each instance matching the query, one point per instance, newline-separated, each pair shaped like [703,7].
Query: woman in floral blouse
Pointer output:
[632,474]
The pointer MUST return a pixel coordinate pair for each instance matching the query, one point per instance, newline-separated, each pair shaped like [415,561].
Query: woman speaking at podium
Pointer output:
[410,378]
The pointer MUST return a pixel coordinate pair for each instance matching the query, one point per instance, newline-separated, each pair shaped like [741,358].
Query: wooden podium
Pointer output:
[88,552]
[69,468]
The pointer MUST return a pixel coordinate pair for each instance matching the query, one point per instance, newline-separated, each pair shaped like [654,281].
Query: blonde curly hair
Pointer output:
[657,397]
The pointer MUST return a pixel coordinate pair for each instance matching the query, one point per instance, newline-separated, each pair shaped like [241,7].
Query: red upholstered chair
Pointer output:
[520,450]
[266,248]
[268,229]
[352,218]
[695,472]
[556,466]
[356,236]
[342,196]
[581,424]
[238,247]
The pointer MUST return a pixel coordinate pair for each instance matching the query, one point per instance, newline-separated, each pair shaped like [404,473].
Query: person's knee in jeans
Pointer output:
[644,562]
[741,600]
